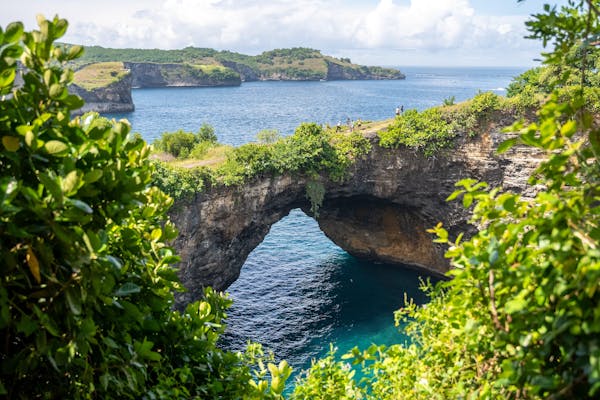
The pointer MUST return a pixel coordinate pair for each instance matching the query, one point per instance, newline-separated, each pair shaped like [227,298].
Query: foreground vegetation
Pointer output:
[87,279]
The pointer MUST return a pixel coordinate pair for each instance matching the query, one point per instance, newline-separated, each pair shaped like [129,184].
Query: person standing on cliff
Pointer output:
[397,111]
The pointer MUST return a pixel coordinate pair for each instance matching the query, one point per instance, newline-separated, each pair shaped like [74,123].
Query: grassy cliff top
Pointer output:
[101,74]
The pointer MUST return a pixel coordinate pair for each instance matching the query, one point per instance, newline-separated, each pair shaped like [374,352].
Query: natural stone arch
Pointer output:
[381,211]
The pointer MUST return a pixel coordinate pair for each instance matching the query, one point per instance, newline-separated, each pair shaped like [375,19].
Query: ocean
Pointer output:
[298,292]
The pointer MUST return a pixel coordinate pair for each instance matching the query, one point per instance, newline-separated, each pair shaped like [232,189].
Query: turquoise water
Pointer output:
[297,291]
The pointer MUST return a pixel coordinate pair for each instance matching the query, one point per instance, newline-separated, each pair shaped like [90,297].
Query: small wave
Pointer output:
[500,89]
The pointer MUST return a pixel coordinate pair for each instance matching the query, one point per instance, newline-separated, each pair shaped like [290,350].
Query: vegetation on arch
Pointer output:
[87,282]
[311,151]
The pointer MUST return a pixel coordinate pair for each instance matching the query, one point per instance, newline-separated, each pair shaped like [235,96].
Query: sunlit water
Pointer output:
[298,292]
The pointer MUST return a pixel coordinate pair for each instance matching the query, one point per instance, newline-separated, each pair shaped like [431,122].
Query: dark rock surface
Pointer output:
[381,211]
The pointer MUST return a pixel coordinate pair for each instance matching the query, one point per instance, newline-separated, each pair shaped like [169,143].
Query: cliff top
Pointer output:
[101,74]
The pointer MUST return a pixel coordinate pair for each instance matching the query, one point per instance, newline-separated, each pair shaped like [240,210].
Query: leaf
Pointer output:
[75,52]
[69,183]
[93,176]
[34,265]
[127,289]
[56,147]
[51,184]
[11,143]
[13,32]
[73,300]
[80,205]
[506,145]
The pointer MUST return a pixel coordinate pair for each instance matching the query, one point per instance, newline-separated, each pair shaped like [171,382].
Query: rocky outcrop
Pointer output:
[247,73]
[166,75]
[336,71]
[115,97]
[381,211]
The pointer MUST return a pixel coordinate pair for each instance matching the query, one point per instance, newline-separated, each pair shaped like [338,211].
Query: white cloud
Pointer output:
[427,26]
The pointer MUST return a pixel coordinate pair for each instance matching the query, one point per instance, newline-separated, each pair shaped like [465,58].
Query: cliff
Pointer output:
[164,75]
[381,211]
[114,96]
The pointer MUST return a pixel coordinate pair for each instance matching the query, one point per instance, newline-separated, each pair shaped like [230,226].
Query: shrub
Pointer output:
[268,136]
[428,131]
[183,144]
[87,280]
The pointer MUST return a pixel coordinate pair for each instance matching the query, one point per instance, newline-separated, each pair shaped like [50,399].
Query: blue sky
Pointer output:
[382,32]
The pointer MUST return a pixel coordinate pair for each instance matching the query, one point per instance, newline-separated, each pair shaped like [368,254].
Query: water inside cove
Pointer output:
[297,291]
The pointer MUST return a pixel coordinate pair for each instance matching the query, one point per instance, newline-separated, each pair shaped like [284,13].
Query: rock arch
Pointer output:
[381,211]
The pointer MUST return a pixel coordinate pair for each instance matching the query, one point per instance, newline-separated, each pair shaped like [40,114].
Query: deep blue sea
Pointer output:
[298,291]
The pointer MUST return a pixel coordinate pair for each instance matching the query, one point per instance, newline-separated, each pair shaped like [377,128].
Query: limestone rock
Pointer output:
[381,211]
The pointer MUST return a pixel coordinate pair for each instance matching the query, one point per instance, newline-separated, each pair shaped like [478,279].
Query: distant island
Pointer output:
[104,77]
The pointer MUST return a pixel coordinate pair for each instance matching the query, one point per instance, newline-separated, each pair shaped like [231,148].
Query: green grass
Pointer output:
[97,75]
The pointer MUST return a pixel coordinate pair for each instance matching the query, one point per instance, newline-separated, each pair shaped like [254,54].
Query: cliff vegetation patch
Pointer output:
[98,75]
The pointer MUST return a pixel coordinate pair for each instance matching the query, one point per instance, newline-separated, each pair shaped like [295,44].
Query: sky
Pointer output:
[372,32]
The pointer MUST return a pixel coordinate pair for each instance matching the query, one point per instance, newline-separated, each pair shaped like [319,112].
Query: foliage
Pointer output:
[315,192]
[268,136]
[449,101]
[206,133]
[309,151]
[328,379]
[428,131]
[87,281]
[180,183]
[520,319]
[183,144]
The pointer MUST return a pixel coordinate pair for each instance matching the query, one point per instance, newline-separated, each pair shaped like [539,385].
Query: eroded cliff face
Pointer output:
[381,211]
[147,75]
[115,97]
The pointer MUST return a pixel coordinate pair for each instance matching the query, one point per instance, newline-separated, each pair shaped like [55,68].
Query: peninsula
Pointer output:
[104,77]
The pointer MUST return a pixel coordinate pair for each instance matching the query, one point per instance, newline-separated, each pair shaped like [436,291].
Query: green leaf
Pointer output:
[81,205]
[13,32]
[73,300]
[70,183]
[93,176]
[11,143]
[52,185]
[127,289]
[506,145]
[56,147]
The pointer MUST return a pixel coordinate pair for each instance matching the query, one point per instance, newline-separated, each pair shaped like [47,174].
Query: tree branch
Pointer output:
[494,311]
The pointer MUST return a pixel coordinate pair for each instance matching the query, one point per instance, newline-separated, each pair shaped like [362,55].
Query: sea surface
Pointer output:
[298,292]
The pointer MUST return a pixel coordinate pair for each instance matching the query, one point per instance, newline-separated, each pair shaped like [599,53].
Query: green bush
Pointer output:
[310,151]
[183,144]
[427,131]
[86,294]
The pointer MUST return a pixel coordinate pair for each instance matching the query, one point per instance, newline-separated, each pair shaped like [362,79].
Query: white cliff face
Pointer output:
[380,212]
